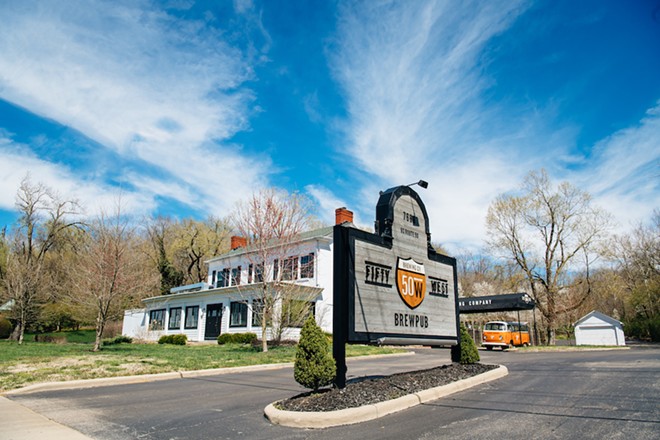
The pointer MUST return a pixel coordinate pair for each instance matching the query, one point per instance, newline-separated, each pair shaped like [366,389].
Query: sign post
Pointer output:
[392,287]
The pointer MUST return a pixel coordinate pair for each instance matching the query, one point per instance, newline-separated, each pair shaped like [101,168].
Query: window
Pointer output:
[238,314]
[276,269]
[157,319]
[290,268]
[295,312]
[259,273]
[250,269]
[307,266]
[257,311]
[236,276]
[223,278]
[192,314]
[213,278]
[175,319]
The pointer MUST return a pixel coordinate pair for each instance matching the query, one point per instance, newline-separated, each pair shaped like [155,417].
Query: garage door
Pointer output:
[596,335]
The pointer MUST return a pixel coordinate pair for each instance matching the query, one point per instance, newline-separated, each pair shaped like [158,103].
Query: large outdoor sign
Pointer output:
[392,287]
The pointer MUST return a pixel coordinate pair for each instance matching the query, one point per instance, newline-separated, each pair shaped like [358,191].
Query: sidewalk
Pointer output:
[20,423]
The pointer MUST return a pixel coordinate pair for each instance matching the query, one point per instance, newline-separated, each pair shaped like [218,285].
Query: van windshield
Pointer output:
[495,326]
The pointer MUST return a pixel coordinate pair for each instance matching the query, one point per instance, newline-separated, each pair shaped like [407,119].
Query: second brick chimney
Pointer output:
[238,242]
[343,215]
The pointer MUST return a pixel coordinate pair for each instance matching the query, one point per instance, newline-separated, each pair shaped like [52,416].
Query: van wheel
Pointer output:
[489,347]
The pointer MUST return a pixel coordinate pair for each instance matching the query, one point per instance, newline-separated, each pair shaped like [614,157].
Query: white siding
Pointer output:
[135,324]
[322,279]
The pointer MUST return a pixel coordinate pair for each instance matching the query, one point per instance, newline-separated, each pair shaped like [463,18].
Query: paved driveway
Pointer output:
[600,394]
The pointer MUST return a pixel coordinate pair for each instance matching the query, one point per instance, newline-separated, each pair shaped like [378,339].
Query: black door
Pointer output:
[213,321]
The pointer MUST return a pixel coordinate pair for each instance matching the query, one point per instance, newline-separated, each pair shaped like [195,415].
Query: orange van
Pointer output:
[505,334]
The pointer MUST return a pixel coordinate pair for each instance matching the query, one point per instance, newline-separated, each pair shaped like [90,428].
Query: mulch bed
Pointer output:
[367,391]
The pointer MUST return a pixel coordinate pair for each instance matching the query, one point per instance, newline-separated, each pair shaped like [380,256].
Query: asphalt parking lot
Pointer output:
[562,395]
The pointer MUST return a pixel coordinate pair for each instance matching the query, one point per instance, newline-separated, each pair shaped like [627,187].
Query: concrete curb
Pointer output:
[317,420]
[127,380]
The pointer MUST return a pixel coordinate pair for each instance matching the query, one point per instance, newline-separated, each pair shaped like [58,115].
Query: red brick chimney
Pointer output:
[237,242]
[343,215]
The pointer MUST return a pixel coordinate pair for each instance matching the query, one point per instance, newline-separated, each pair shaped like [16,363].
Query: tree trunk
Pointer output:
[100,324]
[16,333]
[264,326]
[21,335]
[97,342]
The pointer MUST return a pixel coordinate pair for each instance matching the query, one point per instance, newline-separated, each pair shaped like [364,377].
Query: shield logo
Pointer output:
[410,281]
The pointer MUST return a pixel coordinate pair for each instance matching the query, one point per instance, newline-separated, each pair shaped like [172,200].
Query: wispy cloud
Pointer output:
[411,76]
[419,107]
[18,162]
[328,202]
[132,78]
[624,174]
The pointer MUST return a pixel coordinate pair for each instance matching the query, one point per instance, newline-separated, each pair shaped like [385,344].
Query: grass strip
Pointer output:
[34,362]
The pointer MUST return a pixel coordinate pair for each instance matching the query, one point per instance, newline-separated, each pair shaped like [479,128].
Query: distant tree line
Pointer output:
[550,241]
[60,269]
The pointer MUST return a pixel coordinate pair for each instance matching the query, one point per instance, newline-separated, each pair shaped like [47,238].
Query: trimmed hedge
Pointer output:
[173,339]
[237,338]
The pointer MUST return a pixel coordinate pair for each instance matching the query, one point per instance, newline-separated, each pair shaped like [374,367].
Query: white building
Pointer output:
[596,328]
[230,299]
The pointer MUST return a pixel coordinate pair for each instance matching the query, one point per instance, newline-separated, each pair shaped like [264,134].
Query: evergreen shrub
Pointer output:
[5,328]
[237,338]
[314,366]
[469,352]
[173,339]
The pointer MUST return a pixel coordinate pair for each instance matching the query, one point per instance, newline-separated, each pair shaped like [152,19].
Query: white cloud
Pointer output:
[413,80]
[139,82]
[17,162]
[328,203]
[624,174]
[410,76]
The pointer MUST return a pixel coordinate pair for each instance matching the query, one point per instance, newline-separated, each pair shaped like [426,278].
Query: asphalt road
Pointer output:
[570,395]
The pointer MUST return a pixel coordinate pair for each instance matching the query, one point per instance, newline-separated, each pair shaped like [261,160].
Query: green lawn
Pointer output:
[71,336]
[34,362]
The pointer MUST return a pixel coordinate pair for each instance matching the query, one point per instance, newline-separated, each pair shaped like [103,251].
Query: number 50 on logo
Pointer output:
[410,281]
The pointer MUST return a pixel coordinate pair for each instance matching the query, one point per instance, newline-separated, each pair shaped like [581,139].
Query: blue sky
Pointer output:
[185,107]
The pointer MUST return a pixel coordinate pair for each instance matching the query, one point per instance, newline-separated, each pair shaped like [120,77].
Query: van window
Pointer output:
[495,326]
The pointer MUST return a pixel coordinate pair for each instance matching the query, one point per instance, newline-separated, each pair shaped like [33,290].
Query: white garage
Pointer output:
[596,328]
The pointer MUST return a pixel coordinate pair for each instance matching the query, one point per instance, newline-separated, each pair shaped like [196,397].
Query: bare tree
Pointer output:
[109,272]
[272,221]
[44,217]
[550,232]
[637,259]
[481,275]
